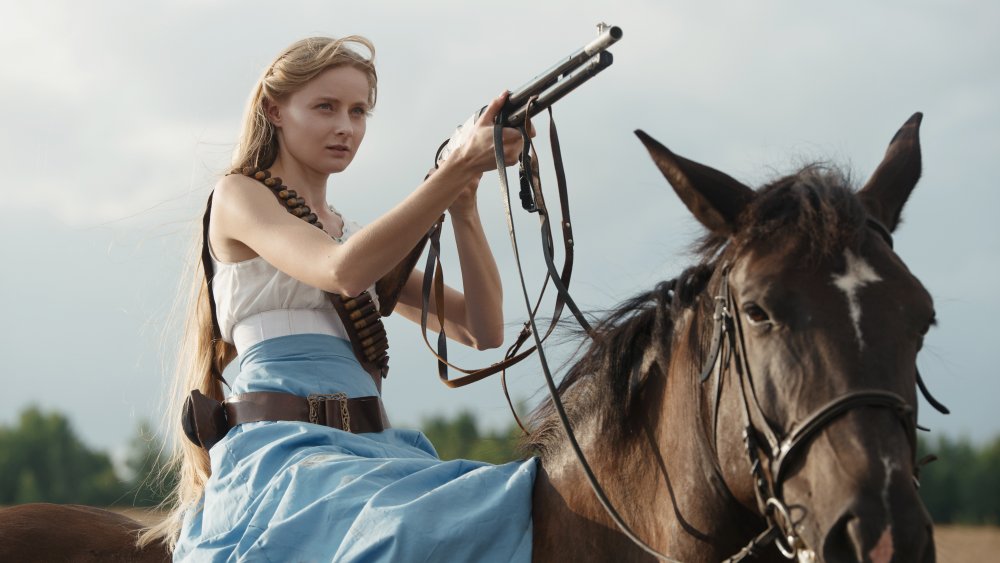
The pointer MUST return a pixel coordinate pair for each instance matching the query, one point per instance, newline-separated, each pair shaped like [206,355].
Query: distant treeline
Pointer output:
[42,460]
[963,485]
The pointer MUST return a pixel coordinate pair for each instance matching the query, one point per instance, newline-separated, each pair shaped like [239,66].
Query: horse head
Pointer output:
[805,328]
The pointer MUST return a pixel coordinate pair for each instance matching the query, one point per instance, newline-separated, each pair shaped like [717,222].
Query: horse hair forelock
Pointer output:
[815,208]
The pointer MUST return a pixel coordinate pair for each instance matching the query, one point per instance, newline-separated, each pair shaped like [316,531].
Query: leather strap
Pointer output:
[433,274]
[206,265]
[205,420]
[390,286]
[546,372]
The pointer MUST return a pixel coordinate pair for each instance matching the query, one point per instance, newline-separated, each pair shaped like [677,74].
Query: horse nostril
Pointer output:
[844,542]
[849,542]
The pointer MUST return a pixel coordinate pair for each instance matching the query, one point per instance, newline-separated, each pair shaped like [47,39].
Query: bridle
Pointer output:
[769,451]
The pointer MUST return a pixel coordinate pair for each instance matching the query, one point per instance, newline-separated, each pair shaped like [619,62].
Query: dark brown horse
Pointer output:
[800,326]
[72,533]
[793,344]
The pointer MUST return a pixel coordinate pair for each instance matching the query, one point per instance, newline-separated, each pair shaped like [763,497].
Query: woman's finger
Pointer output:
[490,115]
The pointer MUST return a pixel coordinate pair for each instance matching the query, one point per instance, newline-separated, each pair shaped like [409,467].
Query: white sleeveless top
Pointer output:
[255,301]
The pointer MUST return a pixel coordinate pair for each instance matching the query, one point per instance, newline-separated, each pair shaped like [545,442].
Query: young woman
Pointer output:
[293,490]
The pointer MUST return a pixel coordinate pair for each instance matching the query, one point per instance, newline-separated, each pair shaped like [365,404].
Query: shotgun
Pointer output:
[545,89]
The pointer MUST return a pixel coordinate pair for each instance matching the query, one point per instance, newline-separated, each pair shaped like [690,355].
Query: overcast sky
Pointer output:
[118,117]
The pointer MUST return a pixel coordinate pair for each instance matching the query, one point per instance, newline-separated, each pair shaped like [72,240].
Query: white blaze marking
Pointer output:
[882,552]
[857,274]
[889,468]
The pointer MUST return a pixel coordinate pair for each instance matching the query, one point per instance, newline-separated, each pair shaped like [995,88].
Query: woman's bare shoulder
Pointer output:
[240,196]
[236,187]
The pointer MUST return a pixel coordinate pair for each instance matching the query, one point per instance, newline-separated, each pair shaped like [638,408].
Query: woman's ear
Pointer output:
[272,112]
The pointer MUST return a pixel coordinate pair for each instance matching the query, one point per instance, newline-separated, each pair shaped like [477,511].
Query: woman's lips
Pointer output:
[338,149]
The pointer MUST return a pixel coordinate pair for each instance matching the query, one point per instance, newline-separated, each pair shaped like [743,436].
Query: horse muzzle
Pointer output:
[887,526]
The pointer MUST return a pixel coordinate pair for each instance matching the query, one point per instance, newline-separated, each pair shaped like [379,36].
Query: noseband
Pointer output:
[779,448]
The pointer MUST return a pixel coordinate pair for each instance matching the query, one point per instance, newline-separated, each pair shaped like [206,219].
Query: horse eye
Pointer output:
[755,314]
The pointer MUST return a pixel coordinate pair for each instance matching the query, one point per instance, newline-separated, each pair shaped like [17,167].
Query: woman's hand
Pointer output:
[478,153]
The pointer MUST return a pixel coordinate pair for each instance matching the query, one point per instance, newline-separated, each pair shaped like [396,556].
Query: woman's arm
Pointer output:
[475,318]
[245,212]
[480,279]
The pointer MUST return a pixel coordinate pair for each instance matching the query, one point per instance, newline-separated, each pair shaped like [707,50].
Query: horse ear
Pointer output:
[714,198]
[887,190]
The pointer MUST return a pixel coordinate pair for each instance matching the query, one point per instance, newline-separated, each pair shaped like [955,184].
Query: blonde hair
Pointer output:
[200,352]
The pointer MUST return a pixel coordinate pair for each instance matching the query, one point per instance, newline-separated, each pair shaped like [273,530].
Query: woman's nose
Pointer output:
[342,125]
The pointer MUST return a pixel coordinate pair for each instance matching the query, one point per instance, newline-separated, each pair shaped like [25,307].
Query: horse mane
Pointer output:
[814,207]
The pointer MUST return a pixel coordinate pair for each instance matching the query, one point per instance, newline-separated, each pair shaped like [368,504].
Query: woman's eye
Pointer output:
[755,314]
[324,106]
[360,112]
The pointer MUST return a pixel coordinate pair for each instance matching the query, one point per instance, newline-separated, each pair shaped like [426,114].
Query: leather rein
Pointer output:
[532,200]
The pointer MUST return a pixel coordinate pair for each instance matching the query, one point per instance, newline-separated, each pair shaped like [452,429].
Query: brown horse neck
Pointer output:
[660,476]
[569,522]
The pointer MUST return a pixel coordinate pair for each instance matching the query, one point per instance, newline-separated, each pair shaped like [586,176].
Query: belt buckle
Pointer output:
[317,400]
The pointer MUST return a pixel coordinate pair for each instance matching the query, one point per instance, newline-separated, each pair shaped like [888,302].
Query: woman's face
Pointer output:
[322,124]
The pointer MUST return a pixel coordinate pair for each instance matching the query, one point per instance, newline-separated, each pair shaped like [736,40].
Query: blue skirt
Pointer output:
[294,491]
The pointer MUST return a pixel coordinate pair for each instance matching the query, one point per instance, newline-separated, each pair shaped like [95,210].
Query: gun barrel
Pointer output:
[545,89]
[517,117]
[543,81]
[609,37]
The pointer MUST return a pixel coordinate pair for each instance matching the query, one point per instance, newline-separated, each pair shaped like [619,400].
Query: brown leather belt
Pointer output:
[363,414]
[206,420]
